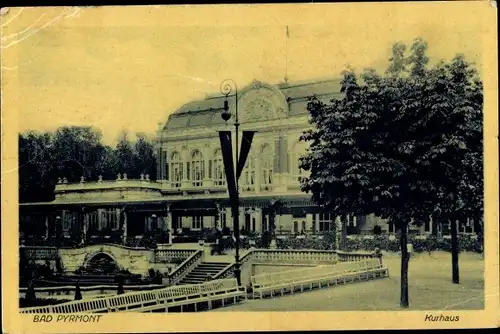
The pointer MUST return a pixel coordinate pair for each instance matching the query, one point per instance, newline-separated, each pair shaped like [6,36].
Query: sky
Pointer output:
[130,67]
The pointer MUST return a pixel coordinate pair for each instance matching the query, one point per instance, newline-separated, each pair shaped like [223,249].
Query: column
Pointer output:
[258,170]
[338,231]
[169,224]
[85,226]
[229,219]
[47,227]
[123,224]
[309,223]
[82,226]
[217,223]
[258,220]
[242,217]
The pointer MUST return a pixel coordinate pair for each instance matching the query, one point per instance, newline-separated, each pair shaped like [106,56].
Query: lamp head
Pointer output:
[226,115]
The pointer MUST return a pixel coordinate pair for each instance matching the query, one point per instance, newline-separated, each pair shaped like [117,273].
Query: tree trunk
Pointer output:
[454,253]
[404,301]
[435,222]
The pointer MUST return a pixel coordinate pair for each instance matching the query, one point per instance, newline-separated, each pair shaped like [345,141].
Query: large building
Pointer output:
[190,191]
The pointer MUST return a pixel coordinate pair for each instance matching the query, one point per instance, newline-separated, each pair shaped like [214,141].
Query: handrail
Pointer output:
[177,273]
[224,273]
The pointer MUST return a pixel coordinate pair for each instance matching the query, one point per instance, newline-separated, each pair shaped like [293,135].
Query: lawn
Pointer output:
[430,288]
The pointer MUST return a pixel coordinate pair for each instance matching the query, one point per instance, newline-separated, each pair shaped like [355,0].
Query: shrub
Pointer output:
[384,242]
[78,292]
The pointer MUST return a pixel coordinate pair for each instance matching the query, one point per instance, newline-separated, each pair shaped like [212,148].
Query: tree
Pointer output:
[450,130]
[36,167]
[125,154]
[375,150]
[144,157]
[77,150]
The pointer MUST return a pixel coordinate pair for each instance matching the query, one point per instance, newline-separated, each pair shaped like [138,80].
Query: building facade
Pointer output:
[190,191]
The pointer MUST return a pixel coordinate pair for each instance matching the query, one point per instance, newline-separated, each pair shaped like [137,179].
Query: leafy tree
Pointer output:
[382,147]
[125,154]
[77,150]
[36,167]
[144,157]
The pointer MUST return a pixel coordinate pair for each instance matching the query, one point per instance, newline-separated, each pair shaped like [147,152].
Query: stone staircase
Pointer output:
[199,273]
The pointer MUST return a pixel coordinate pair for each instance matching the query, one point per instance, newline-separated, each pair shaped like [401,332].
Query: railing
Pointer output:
[351,257]
[185,267]
[296,256]
[228,271]
[172,255]
[139,299]
[317,277]
[107,184]
[39,252]
[298,274]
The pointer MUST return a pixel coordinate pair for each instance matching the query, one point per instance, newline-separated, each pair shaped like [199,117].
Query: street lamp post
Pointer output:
[226,89]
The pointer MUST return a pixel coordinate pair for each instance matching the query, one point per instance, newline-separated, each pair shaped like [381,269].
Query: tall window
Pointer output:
[298,150]
[325,222]
[176,170]
[248,175]
[216,169]
[197,222]
[92,217]
[266,166]
[68,221]
[197,169]
[223,219]
[265,223]
[352,221]
[110,219]
[313,227]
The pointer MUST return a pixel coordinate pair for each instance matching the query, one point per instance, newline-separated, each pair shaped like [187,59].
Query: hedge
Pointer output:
[466,242]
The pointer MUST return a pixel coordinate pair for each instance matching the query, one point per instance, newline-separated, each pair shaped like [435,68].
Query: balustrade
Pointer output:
[39,252]
[295,256]
[172,255]
[351,257]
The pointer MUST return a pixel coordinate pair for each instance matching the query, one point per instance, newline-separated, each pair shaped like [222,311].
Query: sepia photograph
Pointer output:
[192,160]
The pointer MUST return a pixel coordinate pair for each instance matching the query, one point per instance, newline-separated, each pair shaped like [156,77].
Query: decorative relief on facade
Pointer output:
[260,103]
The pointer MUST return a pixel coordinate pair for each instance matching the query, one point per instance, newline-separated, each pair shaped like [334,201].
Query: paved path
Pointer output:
[430,287]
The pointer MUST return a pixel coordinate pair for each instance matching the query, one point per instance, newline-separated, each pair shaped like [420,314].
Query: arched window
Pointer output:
[298,150]
[266,156]
[197,169]
[216,169]
[248,174]
[176,170]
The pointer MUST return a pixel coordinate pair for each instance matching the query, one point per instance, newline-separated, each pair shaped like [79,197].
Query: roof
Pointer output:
[207,111]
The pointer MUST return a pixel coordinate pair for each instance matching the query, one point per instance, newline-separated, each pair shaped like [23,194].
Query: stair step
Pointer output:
[204,270]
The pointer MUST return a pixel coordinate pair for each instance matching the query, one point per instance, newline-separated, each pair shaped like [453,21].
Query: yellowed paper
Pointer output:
[131,67]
